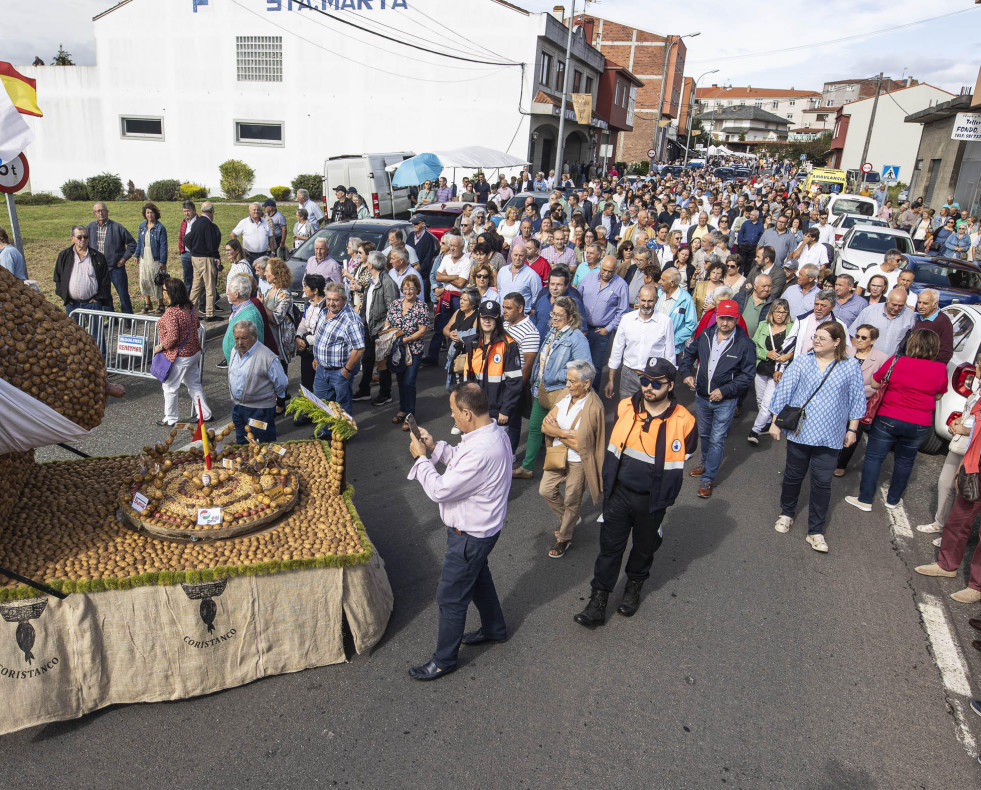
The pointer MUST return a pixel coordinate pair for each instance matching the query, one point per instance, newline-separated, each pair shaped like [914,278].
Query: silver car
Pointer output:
[865,245]
[966,320]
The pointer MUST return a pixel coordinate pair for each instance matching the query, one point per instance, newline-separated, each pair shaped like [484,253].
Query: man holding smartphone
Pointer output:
[472,494]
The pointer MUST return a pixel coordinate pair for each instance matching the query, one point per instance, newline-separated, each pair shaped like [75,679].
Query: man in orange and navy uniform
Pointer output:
[642,475]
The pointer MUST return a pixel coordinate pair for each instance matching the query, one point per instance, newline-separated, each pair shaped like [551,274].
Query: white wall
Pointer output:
[347,92]
[893,141]
[789,107]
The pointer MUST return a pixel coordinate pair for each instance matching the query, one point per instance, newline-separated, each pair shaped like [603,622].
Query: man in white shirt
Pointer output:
[399,258]
[889,268]
[314,213]
[452,275]
[396,241]
[643,333]
[257,236]
[826,231]
[811,251]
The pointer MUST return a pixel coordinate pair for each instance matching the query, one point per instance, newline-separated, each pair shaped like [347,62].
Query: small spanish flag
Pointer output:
[201,434]
[21,90]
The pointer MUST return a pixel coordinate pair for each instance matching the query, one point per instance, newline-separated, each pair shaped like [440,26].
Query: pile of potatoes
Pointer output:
[47,355]
[64,526]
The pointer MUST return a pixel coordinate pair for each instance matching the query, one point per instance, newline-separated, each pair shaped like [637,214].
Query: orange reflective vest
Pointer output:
[497,369]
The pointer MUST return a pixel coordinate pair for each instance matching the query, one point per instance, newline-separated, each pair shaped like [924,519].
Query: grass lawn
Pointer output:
[47,231]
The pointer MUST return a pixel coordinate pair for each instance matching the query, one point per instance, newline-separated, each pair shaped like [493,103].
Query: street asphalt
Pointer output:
[754,662]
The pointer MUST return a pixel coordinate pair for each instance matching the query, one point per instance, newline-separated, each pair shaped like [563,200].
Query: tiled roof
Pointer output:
[750,92]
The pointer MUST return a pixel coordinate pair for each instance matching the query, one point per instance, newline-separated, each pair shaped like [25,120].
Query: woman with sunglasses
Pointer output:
[485,280]
[733,273]
[427,194]
[870,359]
[829,386]
[948,229]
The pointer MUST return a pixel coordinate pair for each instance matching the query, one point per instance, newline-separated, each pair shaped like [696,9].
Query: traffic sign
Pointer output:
[867,167]
[803,157]
[651,154]
[14,175]
[890,173]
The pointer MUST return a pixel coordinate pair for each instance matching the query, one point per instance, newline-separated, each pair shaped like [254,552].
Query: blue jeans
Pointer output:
[407,385]
[598,347]
[714,420]
[187,271]
[241,416]
[904,438]
[120,280]
[331,385]
[465,578]
[821,461]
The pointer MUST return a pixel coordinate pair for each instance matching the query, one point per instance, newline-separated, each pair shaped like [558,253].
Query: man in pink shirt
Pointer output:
[472,494]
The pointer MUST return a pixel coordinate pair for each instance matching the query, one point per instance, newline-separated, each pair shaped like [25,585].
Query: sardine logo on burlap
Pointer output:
[22,612]
[206,593]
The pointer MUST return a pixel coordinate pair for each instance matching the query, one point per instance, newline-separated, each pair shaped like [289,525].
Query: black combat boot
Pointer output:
[595,612]
[631,599]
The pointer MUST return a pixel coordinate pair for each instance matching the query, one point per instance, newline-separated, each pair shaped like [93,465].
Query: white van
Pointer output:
[367,174]
[845,203]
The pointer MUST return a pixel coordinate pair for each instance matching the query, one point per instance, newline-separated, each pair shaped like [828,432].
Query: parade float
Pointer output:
[171,573]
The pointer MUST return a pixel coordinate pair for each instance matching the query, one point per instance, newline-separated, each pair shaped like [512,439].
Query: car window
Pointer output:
[847,222]
[947,276]
[962,330]
[441,219]
[870,241]
[337,243]
[849,206]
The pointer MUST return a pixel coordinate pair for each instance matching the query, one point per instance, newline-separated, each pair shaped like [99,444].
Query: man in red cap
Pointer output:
[726,359]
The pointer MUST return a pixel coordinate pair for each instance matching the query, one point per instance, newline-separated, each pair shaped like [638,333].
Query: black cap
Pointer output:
[340,188]
[490,308]
[269,203]
[417,218]
[660,368]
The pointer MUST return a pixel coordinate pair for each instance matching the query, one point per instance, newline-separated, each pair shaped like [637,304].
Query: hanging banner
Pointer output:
[967,126]
[583,105]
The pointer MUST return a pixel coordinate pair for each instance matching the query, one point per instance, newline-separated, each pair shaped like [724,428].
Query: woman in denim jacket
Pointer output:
[564,343]
[151,252]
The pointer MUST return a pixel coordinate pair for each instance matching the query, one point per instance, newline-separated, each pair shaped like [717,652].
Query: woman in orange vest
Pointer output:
[494,362]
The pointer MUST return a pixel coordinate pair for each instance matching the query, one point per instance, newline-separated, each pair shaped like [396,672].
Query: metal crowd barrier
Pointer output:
[125,341]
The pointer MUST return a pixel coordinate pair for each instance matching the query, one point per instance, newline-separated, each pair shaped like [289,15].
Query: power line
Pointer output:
[833,41]
[454,33]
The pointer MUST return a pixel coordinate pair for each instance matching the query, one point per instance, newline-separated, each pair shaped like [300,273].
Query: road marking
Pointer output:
[946,653]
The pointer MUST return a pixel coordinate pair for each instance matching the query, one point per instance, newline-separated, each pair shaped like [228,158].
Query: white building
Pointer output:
[179,87]
[785,102]
[893,142]
[743,123]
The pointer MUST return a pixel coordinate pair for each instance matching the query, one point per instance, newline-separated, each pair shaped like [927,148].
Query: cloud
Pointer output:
[65,22]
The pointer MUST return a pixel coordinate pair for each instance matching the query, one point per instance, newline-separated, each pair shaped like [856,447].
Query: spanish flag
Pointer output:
[21,90]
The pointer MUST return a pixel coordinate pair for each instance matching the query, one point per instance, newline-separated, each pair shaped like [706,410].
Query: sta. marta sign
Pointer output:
[14,175]
[322,5]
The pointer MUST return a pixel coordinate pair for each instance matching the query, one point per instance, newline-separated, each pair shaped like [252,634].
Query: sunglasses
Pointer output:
[481,276]
[863,337]
[654,384]
[82,237]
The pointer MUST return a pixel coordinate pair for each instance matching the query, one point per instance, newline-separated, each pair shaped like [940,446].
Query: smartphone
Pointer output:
[410,418]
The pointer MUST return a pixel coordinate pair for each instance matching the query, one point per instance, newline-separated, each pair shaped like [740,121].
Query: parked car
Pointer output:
[367,174]
[518,201]
[743,175]
[440,217]
[725,173]
[846,203]
[865,245]
[846,221]
[337,235]
[966,320]
[958,282]
[671,170]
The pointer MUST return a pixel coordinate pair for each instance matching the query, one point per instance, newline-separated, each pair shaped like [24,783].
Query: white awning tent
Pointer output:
[476,157]
[721,150]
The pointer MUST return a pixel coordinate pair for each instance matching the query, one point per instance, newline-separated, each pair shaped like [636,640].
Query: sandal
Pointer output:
[400,417]
[560,548]
[405,426]
[839,473]
[145,310]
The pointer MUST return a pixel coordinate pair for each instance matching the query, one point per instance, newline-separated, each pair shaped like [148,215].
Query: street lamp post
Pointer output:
[660,102]
[694,89]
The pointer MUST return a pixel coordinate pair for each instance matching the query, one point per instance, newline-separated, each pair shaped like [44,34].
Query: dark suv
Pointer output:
[337,235]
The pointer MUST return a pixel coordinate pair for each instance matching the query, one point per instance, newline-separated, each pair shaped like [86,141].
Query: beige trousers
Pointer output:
[565,506]
[206,278]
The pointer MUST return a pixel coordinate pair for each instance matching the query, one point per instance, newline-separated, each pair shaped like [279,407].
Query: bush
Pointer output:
[260,198]
[236,178]
[639,168]
[134,194]
[73,189]
[311,182]
[164,190]
[192,192]
[105,186]
[40,199]
[281,194]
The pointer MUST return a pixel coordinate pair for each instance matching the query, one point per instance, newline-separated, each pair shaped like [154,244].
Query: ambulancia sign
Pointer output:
[967,126]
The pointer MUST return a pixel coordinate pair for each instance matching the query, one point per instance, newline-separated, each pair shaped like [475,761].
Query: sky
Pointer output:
[731,39]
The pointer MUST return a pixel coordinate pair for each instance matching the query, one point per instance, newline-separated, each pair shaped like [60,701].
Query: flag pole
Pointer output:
[14,225]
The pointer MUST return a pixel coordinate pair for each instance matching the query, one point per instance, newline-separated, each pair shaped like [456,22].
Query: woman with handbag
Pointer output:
[959,524]
[574,453]
[409,318]
[870,359]
[775,341]
[180,345]
[278,302]
[462,325]
[819,401]
[903,418]
[151,252]
[961,428]
[563,343]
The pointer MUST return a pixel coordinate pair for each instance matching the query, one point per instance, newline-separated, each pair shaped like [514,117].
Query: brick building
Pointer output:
[642,54]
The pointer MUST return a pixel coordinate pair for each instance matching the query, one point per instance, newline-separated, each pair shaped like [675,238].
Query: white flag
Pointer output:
[15,134]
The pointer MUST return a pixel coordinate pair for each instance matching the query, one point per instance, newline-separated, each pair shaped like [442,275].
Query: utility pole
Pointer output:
[560,143]
[868,134]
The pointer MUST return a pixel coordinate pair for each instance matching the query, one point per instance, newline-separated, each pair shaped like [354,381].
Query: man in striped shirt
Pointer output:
[521,330]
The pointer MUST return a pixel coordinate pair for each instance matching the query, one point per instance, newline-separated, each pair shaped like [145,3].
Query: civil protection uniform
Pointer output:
[497,369]
[642,476]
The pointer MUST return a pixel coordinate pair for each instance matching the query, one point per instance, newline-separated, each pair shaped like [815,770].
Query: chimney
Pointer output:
[715,85]
[588,24]
[559,13]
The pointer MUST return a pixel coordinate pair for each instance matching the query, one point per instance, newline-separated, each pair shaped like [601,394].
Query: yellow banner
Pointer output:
[582,103]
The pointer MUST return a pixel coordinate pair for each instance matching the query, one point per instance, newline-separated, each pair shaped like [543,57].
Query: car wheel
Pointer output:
[933,445]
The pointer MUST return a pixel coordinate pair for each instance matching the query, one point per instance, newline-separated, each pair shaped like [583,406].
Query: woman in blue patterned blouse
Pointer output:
[831,385]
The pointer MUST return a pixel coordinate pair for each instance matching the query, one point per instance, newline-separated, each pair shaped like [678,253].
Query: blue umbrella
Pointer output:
[417,169]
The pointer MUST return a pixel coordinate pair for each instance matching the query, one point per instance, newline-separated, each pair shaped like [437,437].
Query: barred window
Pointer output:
[259,58]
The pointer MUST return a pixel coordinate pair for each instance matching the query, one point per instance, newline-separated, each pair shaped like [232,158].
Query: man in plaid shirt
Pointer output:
[558,252]
[337,349]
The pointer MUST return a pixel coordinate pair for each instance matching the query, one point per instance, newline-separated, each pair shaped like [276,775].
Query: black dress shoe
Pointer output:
[477,638]
[631,599]
[429,671]
[975,623]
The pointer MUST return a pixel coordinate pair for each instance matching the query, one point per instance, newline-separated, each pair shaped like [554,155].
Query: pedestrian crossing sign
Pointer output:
[890,173]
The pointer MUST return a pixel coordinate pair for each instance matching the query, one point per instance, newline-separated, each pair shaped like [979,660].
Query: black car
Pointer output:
[337,235]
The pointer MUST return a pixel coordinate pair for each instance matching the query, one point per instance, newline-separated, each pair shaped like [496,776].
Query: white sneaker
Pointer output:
[599,519]
[818,543]
[931,527]
[893,507]
[855,502]
[937,541]
[784,523]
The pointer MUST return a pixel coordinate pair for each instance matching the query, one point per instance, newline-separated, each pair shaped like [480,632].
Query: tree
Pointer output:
[813,150]
[62,58]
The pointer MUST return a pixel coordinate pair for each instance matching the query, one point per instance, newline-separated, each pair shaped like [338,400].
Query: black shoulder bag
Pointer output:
[790,416]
